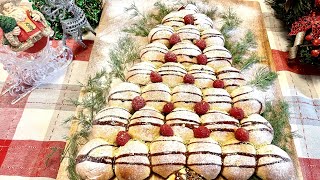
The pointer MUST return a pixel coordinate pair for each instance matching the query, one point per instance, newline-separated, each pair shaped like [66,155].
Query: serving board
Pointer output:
[114,19]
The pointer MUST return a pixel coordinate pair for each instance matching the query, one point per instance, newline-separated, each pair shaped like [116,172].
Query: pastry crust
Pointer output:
[274,163]
[219,99]
[145,124]
[204,157]
[213,38]
[186,96]
[175,18]
[109,122]
[203,75]
[260,130]
[239,160]
[202,21]
[186,53]
[156,95]
[231,77]
[123,94]
[94,160]
[222,125]
[161,34]
[188,32]
[172,73]
[249,100]
[132,162]
[218,57]
[154,53]
[167,155]
[182,122]
[140,73]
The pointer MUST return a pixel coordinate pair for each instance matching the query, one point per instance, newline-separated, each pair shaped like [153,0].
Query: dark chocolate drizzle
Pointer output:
[250,99]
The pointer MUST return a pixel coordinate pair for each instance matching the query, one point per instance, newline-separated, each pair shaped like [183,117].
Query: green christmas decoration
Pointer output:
[7,24]
[92,9]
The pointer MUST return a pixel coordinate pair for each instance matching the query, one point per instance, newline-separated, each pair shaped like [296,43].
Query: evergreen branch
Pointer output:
[239,49]
[231,22]
[277,114]
[263,78]
[246,63]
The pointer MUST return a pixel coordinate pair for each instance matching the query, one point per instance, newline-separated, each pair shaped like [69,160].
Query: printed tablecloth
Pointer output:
[30,128]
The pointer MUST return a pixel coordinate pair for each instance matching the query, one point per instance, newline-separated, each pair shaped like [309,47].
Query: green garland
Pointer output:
[92,9]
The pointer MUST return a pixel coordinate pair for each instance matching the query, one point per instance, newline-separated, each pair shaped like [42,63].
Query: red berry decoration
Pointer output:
[242,134]
[315,53]
[122,138]
[201,44]
[188,19]
[170,57]
[201,132]
[188,78]
[138,103]
[155,77]
[308,37]
[316,42]
[174,39]
[218,84]
[166,130]
[167,108]
[236,113]
[202,59]
[201,107]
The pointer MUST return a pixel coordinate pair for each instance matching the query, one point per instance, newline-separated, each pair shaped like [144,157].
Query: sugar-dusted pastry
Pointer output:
[167,155]
[186,96]
[161,34]
[172,73]
[231,77]
[182,122]
[274,163]
[218,98]
[156,95]
[154,53]
[109,122]
[239,160]
[145,124]
[175,18]
[218,57]
[140,73]
[260,130]
[123,94]
[188,32]
[132,162]
[204,157]
[186,52]
[213,38]
[203,75]
[248,99]
[202,21]
[222,125]
[191,7]
[94,160]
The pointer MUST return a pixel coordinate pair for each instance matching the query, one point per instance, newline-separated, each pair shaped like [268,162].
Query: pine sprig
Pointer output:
[125,52]
[277,114]
[230,22]
[263,78]
[252,59]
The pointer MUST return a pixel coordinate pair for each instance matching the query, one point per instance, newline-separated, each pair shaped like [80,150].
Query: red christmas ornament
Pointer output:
[316,42]
[308,37]
[305,23]
[315,53]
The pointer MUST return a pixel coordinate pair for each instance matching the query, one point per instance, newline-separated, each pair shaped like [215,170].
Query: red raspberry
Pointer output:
[122,138]
[188,19]
[218,84]
[167,108]
[236,113]
[242,134]
[188,78]
[138,103]
[201,107]
[202,59]
[166,130]
[155,77]
[201,44]
[201,132]
[170,57]
[174,39]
